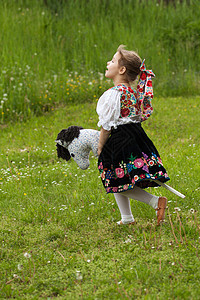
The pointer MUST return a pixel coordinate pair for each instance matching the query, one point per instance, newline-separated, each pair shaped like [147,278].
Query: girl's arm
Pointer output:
[104,135]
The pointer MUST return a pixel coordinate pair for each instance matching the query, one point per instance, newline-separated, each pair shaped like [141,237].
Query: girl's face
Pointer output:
[113,69]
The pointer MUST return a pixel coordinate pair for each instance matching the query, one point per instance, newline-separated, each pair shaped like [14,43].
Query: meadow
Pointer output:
[59,238]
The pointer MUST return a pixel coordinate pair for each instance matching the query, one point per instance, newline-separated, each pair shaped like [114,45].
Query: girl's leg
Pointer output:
[158,203]
[125,209]
[143,196]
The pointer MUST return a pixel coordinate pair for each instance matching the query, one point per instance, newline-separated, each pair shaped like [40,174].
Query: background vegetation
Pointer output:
[55,52]
[58,232]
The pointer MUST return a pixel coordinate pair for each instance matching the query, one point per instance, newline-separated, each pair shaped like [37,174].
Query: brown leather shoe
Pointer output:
[162,204]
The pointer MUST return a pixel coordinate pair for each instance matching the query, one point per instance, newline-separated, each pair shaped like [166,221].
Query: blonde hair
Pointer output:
[131,61]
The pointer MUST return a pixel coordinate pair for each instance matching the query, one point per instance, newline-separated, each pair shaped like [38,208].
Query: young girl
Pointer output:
[128,160]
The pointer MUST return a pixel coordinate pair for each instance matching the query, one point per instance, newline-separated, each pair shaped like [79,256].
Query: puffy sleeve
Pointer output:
[108,109]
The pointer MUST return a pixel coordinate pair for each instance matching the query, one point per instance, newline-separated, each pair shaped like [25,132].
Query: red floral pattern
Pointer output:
[133,106]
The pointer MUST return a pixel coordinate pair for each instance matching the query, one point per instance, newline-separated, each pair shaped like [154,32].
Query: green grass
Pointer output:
[62,217]
[46,46]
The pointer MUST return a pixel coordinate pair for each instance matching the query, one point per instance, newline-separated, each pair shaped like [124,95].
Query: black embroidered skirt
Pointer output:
[130,158]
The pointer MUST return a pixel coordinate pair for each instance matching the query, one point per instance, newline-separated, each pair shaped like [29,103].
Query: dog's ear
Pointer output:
[63,152]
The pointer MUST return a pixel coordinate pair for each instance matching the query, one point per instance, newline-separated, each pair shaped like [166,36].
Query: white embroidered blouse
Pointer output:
[109,111]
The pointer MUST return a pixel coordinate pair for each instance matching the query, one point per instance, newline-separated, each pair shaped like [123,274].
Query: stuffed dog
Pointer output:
[77,143]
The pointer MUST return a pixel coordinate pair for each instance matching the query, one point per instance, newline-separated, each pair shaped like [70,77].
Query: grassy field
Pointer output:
[55,52]
[59,238]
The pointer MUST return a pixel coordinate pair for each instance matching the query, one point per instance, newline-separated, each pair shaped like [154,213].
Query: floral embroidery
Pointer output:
[135,103]
[142,166]
[119,172]
[138,163]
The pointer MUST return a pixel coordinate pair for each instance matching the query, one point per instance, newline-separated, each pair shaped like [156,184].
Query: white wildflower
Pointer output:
[127,241]
[177,209]
[27,255]
[79,275]
[19,267]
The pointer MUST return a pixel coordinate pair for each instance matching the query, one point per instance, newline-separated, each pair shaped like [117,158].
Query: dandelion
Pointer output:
[127,241]
[27,255]
[19,267]
[79,275]
[177,209]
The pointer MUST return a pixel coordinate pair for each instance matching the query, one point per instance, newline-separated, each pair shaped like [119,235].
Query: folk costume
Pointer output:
[129,158]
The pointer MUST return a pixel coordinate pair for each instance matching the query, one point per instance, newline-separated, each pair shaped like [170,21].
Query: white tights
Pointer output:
[136,193]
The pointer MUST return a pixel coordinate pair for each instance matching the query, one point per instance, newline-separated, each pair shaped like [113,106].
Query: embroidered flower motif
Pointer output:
[151,163]
[115,189]
[125,187]
[109,174]
[119,172]
[103,175]
[100,166]
[138,163]
[145,168]
[136,178]
[125,112]
[160,161]
[129,167]
[108,190]
[149,83]
[144,76]
[142,176]
[107,182]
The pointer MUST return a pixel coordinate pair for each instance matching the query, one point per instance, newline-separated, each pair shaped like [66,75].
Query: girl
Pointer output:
[128,160]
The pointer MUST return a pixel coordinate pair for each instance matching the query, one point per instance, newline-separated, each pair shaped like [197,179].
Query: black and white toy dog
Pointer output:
[77,143]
